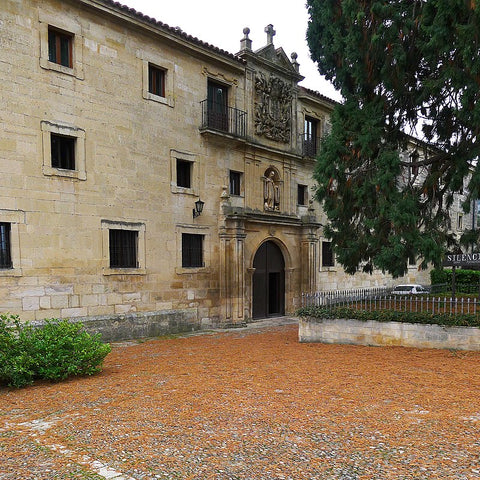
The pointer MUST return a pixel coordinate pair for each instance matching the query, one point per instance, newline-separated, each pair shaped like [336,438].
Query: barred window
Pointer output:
[123,248]
[327,255]
[5,247]
[192,250]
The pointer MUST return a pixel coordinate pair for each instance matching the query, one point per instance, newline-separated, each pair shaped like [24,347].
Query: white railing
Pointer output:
[368,299]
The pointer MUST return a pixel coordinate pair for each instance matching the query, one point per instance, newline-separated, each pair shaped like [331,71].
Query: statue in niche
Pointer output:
[271,192]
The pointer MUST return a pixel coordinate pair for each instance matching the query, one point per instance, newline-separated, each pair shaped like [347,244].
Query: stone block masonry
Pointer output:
[356,332]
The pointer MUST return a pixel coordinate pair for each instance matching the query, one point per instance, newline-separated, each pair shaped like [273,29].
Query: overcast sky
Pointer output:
[221,23]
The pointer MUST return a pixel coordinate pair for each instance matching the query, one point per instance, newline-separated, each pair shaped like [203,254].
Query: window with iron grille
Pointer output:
[310,137]
[5,248]
[192,250]
[63,151]
[302,195]
[60,47]
[235,182]
[184,173]
[156,80]
[123,247]
[327,255]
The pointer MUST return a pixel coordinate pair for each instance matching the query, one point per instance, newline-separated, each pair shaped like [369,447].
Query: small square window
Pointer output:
[63,151]
[5,246]
[327,255]
[302,195]
[60,47]
[192,250]
[156,80]
[235,182]
[123,247]
[184,173]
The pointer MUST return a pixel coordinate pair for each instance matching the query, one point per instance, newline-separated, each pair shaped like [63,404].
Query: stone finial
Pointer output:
[270,34]
[245,42]
[295,64]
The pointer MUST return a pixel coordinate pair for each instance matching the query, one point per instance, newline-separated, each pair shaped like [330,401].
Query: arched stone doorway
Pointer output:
[268,286]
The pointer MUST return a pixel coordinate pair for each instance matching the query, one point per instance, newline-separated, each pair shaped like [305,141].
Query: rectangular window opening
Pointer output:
[156,80]
[235,182]
[217,104]
[123,248]
[184,173]
[60,47]
[302,195]
[192,250]
[327,255]
[5,246]
[310,137]
[63,151]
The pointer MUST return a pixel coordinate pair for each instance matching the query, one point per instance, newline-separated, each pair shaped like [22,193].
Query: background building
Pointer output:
[114,126]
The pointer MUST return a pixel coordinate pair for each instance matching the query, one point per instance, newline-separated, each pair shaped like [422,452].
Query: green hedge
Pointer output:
[459,320]
[55,351]
[462,277]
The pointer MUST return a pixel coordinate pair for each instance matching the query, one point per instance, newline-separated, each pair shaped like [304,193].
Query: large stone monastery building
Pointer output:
[146,174]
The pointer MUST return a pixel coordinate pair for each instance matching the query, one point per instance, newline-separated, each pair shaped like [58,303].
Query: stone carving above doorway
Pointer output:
[273,104]
[271,191]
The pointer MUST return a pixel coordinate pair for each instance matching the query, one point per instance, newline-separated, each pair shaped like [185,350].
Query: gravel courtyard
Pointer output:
[250,404]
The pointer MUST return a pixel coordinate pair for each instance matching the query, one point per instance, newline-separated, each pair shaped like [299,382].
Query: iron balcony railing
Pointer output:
[310,146]
[223,119]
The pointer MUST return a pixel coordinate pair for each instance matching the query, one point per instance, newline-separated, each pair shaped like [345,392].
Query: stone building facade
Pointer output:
[116,131]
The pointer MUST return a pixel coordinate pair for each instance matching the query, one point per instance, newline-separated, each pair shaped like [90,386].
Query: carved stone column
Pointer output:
[232,273]
[309,261]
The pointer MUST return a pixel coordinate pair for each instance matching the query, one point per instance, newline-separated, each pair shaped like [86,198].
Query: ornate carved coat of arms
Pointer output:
[273,108]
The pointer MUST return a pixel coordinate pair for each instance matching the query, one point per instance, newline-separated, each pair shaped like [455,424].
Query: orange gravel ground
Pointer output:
[250,404]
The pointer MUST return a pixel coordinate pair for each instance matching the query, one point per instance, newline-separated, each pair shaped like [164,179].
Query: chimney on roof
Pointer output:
[245,42]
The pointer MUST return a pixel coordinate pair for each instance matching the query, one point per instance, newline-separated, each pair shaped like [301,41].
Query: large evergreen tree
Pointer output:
[402,66]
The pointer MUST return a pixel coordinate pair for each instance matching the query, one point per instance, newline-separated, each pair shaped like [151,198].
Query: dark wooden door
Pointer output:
[268,282]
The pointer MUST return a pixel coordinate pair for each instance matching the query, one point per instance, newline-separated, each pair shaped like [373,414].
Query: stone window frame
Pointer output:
[207,246]
[68,26]
[15,218]
[194,174]
[139,227]
[168,67]
[47,128]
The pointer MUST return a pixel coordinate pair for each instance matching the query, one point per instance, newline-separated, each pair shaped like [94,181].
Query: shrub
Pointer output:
[458,320]
[55,351]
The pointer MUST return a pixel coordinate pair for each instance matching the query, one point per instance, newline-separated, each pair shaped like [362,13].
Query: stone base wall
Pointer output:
[373,333]
[115,328]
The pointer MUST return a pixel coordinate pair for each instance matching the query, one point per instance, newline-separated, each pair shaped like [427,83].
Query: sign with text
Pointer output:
[461,260]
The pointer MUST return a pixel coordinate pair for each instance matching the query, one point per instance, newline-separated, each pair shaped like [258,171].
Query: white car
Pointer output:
[409,289]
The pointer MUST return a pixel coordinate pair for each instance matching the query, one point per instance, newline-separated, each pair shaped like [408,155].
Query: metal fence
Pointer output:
[383,299]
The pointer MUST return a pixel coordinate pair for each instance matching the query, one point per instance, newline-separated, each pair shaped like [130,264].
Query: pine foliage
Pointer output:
[403,66]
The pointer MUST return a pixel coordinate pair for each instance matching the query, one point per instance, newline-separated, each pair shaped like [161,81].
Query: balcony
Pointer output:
[310,146]
[223,119]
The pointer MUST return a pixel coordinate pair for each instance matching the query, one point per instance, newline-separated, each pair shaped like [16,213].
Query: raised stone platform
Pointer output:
[374,333]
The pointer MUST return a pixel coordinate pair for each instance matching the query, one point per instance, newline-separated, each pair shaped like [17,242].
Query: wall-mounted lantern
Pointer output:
[198,208]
